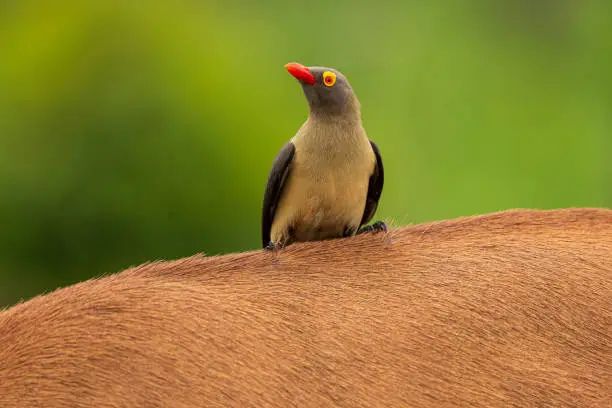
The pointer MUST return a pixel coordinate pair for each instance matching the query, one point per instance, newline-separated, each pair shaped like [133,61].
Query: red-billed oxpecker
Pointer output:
[326,181]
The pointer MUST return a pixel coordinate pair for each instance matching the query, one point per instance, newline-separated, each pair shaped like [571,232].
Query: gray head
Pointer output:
[327,91]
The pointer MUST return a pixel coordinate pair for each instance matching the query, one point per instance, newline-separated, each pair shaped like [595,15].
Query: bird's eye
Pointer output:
[329,78]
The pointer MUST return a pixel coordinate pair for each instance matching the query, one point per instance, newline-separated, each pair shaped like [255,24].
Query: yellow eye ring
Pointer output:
[329,78]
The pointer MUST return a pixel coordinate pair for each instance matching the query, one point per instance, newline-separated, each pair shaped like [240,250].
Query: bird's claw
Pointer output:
[274,247]
[378,226]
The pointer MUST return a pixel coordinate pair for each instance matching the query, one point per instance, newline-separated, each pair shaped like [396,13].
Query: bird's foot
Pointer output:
[348,232]
[273,247]
[378,226]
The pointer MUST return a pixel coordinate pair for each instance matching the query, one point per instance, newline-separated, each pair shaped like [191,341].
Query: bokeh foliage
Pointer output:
[134,131]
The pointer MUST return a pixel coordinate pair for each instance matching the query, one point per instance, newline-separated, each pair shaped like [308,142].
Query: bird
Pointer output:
[327,180]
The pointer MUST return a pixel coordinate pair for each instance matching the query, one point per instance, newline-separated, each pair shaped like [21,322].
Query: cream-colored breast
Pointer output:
[326,190]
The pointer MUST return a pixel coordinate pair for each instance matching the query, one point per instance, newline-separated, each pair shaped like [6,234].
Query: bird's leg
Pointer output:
[275,246]
[378,226]
[271,247]
[348,232]
[281,242]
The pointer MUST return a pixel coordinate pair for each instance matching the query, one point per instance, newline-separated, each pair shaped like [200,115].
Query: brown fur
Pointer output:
[507,309]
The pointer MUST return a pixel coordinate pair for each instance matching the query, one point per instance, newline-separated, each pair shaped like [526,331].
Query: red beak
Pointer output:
[300,72]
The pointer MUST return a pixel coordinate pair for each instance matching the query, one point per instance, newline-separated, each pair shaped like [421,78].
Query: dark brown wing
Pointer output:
[377,179]
[274,188]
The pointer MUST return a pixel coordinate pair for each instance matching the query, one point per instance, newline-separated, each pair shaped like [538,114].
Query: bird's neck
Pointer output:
[352,118]
[349,113]
[330,134]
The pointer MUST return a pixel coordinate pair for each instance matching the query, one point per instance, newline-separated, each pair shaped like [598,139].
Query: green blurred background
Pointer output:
[135,131]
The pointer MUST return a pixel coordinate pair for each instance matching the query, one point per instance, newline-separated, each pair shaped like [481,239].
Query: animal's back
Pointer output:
[508,309]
